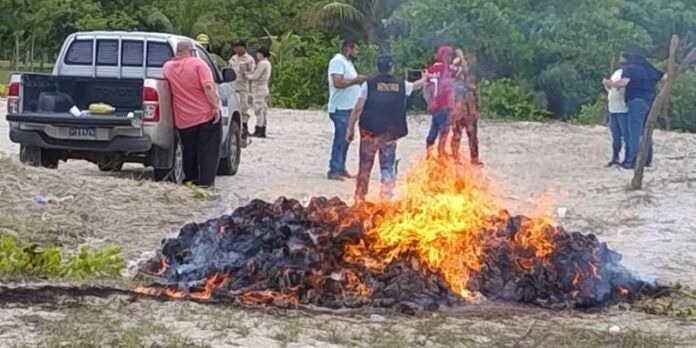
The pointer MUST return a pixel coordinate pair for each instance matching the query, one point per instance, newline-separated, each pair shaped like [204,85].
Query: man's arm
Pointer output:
[210,89]
[214,99]
[357,111]
[260,71]
[626,74]
[418,85]
[340,82]
[251,63]
[620,83]
[354,116]
[337,70]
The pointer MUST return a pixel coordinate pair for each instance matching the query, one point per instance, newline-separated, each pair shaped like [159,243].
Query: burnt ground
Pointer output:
[652,228]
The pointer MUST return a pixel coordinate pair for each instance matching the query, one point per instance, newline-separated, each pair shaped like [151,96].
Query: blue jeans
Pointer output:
[638,110]
[439,128]
[618,126]
[339,149]
[369,146]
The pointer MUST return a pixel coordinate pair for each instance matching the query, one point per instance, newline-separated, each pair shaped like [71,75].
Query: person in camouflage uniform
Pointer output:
[244,65]
[260,87]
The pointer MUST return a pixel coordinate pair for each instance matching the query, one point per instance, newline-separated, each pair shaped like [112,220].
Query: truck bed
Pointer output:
[64,92]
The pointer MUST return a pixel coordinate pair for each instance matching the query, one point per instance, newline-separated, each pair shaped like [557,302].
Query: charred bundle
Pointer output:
[580,272]
[286,254]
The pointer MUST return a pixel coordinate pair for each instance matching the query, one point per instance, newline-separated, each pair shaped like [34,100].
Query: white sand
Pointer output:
[653,228]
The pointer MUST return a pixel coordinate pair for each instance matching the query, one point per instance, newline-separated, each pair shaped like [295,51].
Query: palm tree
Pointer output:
[359,19]
[185,17]
[283,48]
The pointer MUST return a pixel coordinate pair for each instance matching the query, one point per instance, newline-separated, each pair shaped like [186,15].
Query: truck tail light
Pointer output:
[13,98]
[151,109]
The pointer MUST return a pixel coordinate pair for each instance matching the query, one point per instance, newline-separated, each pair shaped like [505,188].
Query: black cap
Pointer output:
[264,50]
[384,63]
[239,43]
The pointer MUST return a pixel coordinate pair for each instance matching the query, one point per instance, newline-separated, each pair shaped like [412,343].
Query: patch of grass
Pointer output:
[428,328]
[223,322]
[388,338]
[22,259]
[225,325]
[243,331]
[84,329]
[288,334]
[444,337]
[200,193]
[334,335]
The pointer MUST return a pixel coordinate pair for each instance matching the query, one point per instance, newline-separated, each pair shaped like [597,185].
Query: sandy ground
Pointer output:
[653,229]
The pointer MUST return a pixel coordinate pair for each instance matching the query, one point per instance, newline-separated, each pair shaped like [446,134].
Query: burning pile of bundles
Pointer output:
[441,246]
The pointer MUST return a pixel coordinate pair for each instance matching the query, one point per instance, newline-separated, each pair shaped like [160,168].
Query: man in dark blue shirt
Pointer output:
[381,109]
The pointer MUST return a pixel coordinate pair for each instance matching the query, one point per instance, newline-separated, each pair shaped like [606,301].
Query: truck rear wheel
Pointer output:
[230,164]
[37,157]
[174,174]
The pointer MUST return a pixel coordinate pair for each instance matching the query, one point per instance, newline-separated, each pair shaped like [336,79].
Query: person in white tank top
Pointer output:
[618,117]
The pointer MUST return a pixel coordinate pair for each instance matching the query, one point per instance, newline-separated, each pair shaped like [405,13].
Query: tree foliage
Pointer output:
[554,52]
[356,19]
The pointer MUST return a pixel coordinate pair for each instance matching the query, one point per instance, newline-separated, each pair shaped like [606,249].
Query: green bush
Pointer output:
[503,99]
[21,259]
[301,82]
[593,113]
[682,109]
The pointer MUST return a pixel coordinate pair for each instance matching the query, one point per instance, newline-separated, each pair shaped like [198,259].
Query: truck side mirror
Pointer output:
[228,75]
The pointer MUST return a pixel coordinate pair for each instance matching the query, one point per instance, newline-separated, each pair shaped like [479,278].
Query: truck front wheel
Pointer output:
[37,157]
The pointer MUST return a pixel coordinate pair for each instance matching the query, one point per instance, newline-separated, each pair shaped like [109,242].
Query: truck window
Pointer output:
[132,53]
[79,53]
[202,54]
[107,52]
[158,53]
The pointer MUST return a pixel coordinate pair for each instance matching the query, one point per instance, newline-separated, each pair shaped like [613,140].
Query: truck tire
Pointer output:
[174,174]
[230,164]
[37,157]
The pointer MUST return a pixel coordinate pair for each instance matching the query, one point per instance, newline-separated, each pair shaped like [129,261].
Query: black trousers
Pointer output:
[201,152]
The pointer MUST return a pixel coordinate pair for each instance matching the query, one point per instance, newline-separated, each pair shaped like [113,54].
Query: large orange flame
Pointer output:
[442,219]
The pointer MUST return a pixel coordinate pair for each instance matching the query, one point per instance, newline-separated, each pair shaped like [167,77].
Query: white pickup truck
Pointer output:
[124,70]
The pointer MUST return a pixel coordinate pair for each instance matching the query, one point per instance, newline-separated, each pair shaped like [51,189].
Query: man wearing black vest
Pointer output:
[381,110]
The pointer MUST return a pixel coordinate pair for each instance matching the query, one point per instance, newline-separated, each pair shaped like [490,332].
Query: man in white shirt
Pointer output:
[618,116]
[344,90]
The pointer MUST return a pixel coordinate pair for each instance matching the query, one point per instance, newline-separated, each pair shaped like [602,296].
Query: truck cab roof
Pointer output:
[128,35]
[119,54]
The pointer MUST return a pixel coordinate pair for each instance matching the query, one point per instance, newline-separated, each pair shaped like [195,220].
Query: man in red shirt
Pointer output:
[196,105]
[440,90]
